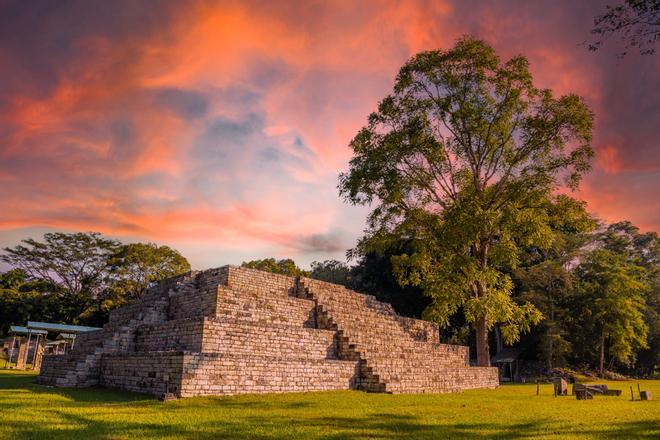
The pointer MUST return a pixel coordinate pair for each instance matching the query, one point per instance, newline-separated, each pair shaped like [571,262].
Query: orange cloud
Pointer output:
[227,122]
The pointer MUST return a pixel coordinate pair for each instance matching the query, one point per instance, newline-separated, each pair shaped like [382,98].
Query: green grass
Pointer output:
[512,411]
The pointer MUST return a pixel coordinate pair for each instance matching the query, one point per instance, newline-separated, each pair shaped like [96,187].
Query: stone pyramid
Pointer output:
[234,330]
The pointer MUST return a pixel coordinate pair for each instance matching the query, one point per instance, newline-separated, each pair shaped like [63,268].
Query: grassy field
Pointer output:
[513,411]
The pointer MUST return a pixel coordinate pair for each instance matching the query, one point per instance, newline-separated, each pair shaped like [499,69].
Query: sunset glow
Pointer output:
[219,128]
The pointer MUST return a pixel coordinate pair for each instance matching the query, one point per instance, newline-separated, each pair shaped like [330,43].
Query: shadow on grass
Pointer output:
[386,426]
[81,416]
[24,383]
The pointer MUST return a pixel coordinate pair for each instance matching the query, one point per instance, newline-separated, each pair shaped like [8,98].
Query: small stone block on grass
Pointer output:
[645,395]
[583,394]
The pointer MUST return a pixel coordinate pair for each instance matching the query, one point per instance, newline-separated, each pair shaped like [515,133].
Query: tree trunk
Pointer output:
[483,352]
[551,334]
[602,352]
[481,326]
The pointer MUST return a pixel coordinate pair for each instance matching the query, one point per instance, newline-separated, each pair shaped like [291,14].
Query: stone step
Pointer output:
[234,336]
[248,306]
[250,339]
[394,359]
[221,374]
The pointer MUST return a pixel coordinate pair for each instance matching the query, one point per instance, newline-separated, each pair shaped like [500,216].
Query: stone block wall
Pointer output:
[150,373]
[213,374]
[269,308]
[177,335]
[235,330]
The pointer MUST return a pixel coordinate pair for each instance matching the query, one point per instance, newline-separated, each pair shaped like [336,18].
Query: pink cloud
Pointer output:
[227,123]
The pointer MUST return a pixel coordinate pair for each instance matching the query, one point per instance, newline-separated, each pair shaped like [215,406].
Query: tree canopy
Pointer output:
[613,291]
[462,159]
[134,267]
[76,262]
[332,271]
[284,266]
[79,277]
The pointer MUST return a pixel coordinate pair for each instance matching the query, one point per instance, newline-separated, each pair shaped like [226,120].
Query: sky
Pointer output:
[219,128]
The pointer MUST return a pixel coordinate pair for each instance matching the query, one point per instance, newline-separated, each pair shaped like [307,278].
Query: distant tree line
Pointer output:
[78,278]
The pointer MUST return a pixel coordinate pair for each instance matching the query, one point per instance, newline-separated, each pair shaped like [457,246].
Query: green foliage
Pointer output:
[373,274]
[78,278]
[332,271]
[77,262]
[643,250]
[462,160]
[614,290]
[548,285]
[135,266]
[545,278]
[22,300]
[283,267]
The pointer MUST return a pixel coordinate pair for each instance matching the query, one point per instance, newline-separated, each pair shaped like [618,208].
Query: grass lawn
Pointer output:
[512,411]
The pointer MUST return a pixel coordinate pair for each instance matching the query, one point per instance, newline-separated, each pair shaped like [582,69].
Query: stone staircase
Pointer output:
[81,367]
[401,362]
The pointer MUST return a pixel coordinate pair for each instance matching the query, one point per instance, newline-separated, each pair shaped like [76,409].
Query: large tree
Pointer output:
[75,263]
[134,267]
[462,160]
[80,277]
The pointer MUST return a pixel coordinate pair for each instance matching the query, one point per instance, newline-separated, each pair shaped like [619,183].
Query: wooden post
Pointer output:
[36,348]
[21,360]
[537,387]
[11,351]
[632,396]
[639,392]
[27,351]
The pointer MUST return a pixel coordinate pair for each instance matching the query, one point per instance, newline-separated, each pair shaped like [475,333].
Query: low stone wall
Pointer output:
[216,374]
[150,373]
